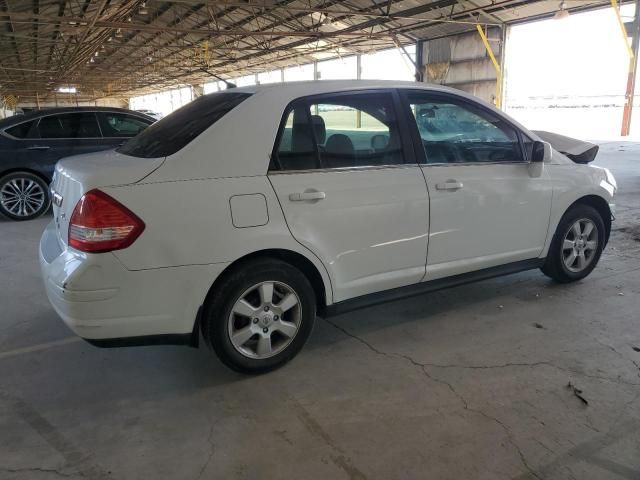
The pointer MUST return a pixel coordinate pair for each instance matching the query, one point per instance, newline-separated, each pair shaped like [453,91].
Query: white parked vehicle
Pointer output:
[243,214]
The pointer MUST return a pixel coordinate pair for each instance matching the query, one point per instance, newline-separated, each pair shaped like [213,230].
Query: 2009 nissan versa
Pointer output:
[245,213]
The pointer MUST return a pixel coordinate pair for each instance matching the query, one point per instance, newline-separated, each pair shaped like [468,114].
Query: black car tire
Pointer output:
[555,265]
[218,322]
[23,196]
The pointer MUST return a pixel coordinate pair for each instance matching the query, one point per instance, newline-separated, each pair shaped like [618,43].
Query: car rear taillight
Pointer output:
[100,223]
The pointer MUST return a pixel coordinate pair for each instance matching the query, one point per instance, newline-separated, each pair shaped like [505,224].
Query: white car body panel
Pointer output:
[471,229]
[98,298]
[370,230]
[378,228]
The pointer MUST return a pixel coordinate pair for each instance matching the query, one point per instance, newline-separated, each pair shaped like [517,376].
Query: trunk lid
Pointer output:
[74,176]
[577,150]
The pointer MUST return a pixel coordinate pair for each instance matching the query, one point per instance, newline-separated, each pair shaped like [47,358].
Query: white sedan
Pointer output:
[242,215]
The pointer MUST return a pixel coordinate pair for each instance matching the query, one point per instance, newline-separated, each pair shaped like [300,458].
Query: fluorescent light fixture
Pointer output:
[66,89]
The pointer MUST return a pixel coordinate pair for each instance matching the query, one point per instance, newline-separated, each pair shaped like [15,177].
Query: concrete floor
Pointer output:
[468,383]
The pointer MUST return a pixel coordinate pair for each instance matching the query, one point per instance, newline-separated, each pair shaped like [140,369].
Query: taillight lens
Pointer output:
[100,223]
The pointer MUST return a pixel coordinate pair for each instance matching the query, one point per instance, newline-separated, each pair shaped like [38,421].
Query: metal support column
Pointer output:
[420,61]
[633,64]
[358,77]
[496,65]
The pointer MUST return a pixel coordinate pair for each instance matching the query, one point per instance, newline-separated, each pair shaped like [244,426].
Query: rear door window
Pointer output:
[22,130]
[175,131]
[69,125]
[356,130]
[115,124]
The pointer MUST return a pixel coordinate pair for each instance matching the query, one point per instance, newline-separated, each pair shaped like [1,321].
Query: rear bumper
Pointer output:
[108,305]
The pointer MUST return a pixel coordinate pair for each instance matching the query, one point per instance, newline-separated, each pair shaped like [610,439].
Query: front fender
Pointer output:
[573,183]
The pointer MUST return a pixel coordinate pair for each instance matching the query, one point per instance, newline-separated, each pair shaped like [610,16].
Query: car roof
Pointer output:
[291,90]
[321,86]
[16,119]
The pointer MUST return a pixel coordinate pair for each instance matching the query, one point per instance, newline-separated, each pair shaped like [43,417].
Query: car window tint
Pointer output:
[357,131]
[296,149]
[115,124]
[341,131]
[21,130]
[69,125]
[175,131]
[453,132]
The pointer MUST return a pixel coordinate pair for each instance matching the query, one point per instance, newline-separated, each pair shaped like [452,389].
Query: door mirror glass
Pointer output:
[538,152]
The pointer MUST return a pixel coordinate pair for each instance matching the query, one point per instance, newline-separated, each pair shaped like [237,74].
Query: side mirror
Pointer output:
[540,153]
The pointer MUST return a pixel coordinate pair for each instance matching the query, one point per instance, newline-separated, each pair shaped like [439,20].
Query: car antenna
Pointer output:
[226,82]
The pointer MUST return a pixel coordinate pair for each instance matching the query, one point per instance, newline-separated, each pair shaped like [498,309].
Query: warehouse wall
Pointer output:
[71,102]
[462,62]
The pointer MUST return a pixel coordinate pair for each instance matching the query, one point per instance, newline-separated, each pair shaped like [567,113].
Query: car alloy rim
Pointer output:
[22,197]
[265,319]
[580,245]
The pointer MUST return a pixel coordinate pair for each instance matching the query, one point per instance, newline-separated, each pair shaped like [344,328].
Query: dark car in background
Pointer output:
[31,144]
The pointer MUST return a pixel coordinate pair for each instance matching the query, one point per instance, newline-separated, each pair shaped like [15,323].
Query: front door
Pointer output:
[486,208]
[351,191]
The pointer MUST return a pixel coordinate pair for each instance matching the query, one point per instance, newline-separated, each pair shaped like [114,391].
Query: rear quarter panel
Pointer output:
[190,223]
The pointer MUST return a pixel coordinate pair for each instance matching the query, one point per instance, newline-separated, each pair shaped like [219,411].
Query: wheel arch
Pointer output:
[38,174]
[295,259]
[601,206]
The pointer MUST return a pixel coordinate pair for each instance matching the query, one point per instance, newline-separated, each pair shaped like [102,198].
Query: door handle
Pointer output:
[451,185]
[38,147]
[307,196]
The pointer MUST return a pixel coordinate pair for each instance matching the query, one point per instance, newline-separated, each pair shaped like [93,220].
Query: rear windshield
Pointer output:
[173,132]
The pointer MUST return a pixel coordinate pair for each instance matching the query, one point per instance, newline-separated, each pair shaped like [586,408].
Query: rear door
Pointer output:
[486,208]
[65,134]
[351,191]
[18,145]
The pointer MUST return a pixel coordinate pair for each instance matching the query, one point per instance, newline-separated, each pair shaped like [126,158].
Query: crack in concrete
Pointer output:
[54,471]
[457,394]
[339,458]
[212,450]
[617,352]
[484,367]
[509,434]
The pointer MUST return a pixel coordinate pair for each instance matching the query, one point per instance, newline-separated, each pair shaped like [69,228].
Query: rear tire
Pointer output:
[23,196]
[576,246]
[259,316]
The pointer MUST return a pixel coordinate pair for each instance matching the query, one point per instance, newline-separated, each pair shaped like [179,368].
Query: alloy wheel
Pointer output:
[580,245]
[264,320]
[22,197]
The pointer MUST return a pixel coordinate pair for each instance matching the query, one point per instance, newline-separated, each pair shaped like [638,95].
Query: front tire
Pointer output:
[576,246]
[260,315]
[23,196]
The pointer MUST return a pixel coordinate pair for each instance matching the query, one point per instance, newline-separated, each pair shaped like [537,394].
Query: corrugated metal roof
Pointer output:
[117,47]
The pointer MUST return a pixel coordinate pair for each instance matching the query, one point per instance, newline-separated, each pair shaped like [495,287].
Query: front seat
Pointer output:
[339,152]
